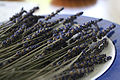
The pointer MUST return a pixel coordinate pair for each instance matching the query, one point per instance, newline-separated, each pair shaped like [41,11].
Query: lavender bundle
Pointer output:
[36,47]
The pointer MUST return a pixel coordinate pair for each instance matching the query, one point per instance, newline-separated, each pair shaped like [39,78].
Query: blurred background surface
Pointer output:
[106,9]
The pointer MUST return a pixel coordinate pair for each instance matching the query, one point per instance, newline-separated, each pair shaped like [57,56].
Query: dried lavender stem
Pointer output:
[25,16]
[53,14]
[11,52]
[59,66]
[19,60]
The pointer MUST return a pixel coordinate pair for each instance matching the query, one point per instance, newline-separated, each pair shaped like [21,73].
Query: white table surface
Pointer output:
[106,9]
